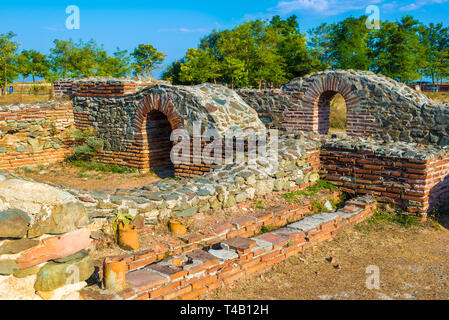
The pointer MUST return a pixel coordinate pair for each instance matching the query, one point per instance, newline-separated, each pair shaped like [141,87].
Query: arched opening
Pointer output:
[332,113]
[158,130]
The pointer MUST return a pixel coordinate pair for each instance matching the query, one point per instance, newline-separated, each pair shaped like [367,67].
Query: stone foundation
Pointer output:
[34,134]
[415,178]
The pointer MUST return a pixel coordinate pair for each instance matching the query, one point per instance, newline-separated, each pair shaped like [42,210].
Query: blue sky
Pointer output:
[174,26]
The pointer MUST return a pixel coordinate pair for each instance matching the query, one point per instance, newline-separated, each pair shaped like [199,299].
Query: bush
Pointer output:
[89,147]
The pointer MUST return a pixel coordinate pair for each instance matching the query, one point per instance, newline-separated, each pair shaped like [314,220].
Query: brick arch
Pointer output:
[316,106]
[155,102]
[158,114]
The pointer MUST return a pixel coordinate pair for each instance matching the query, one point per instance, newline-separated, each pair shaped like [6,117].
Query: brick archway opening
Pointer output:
[338,114]
[324,103]
[158,131]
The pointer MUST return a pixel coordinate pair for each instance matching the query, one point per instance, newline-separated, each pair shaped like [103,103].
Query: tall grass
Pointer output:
[337,119]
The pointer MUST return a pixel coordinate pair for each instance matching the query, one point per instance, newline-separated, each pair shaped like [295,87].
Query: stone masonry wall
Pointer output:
[44,234]
[34,134]
[123,122]
[377,106]
[413,177]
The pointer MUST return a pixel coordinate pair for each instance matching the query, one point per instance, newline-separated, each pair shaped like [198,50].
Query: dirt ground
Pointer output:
[63,173]
[412,263]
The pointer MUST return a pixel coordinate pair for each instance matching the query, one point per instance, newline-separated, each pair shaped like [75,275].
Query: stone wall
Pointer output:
[123,123]
[102,86]
[377,106]
[44,235]
[271,105]
[34,134]
[413,177]
[213,262]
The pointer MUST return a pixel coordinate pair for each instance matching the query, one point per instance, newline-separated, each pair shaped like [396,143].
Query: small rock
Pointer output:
[8,267]
[56,275]
[13,223]
[16,246]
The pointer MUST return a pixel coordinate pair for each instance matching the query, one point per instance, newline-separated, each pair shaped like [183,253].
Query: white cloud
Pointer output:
[54,29]
[420,3]
[184,30]
[323,7]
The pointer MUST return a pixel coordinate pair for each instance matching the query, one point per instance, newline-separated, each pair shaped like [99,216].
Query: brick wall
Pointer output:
[231,255]
[417,186]
[310,111]
[34,134]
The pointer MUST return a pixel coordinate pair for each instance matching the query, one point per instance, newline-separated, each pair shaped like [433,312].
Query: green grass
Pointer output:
[380,220]
[101,167]
[259,204]
[309,191]
[27,170]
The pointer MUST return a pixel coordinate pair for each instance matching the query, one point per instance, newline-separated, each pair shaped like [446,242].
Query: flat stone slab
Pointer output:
[202,255]
[224,254]
[145,279]
[238,243]
[288,233]
[262,244]
[272,238]
[167,269]
[348,212]
[243,221]
[55,248]
[312,222]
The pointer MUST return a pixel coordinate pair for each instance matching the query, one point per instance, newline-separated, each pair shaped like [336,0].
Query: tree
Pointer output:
[33,63]
[61,57]
[435,55]
[8,59]
[146,59]
[348,44]
[319,45]
[397,50]
[199,66]
[117,65]
[172,73]
[234,69]
[293,48]
[268,65]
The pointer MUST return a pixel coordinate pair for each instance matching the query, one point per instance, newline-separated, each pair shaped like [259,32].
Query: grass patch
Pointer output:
[101,167]
[380,220]
[337,119]
[27,170]
[309,191]
[259,205]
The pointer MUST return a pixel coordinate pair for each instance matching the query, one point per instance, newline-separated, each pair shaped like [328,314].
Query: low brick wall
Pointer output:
[34,134]
[98,87]
[417,183]
[197,272]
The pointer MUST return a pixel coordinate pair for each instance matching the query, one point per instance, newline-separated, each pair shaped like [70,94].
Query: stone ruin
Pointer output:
[395,150]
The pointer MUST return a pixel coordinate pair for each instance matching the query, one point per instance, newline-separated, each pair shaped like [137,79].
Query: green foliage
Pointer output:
[199,67]
[397,50]
[102,167]
[309,191]
[8,59]
[123,218]
[380,220]
[172,73]
[318,207]
[259,204]
[266,229]
[146,59]
[33,63]
[89,146]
